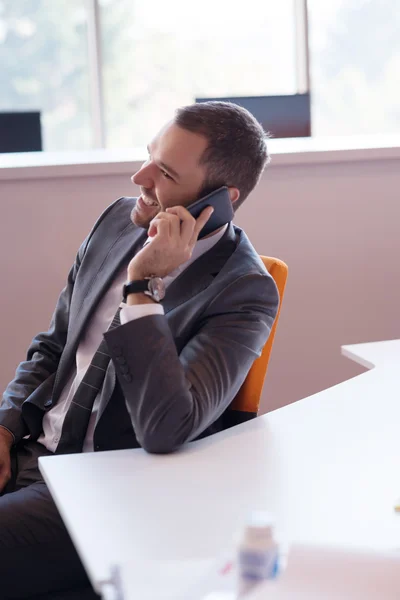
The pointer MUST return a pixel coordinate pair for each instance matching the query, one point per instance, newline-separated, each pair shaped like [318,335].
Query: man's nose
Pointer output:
[143,177]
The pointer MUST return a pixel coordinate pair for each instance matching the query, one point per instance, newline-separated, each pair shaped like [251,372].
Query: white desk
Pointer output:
[326,466]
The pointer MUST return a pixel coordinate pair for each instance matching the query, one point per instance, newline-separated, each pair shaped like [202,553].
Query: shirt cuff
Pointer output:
[130,313]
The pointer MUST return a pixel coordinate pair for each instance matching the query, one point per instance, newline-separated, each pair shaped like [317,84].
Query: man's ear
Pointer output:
[234,193]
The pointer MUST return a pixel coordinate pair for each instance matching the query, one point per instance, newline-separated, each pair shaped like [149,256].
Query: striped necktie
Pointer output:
[78,415]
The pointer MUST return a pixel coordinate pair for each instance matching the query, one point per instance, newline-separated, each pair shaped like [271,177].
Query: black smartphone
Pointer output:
[223,211]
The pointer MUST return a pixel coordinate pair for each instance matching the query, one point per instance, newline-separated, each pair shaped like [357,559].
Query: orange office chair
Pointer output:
[247,399]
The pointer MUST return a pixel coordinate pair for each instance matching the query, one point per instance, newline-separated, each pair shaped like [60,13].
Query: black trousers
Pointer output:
[37,557]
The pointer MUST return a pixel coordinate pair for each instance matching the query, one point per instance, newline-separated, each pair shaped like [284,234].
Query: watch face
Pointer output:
[157,288]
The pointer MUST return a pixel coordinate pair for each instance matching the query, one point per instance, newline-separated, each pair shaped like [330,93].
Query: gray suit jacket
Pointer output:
[171,378]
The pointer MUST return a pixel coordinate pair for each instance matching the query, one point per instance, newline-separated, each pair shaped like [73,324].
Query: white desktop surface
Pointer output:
[327,467]
[371,354]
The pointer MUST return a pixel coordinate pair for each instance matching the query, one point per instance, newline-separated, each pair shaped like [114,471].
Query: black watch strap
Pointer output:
[134,287]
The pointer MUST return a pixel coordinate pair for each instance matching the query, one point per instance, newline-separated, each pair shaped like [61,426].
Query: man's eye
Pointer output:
[165,174]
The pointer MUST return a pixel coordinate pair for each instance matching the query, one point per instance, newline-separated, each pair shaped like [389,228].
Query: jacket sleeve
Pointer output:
[43,354]
[41,361]
[173,398]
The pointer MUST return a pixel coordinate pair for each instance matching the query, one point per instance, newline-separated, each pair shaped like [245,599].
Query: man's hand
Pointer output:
[174,234]
[6,441]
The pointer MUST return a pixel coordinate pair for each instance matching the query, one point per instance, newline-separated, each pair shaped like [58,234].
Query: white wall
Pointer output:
[335,224]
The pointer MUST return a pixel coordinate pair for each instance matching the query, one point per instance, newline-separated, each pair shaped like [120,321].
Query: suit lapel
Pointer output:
[200,273]
[109,259]
[119,252]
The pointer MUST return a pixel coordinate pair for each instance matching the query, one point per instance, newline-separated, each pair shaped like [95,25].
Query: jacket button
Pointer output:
[48,403]
[121,360]
[124,369]
[128,377]
[97,447]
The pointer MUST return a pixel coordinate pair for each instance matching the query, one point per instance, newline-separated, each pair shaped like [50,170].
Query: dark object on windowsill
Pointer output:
[282,116]
[20,131]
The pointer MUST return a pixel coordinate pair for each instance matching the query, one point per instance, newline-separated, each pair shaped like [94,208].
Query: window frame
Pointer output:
[99,134]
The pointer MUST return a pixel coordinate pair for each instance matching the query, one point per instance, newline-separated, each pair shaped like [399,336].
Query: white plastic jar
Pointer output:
[258,553]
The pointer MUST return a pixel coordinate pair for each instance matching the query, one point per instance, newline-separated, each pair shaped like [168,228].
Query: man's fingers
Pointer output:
[191,227]
[159,226]
[187,222]
[174,224]
[180,211]
[202,220]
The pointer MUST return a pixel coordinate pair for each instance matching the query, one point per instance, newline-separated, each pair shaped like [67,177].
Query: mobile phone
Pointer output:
[223,213]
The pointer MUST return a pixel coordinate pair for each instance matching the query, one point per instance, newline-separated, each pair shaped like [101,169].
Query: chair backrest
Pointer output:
[249,395]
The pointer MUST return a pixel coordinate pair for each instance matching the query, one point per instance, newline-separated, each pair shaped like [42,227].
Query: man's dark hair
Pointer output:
[236,154]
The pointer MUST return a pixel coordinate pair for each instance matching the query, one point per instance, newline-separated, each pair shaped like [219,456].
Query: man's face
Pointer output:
[171,175]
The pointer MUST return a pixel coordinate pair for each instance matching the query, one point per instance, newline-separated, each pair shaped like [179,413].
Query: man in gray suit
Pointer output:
[169,367]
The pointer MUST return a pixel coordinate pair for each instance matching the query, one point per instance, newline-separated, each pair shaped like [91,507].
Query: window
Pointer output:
[44,66]
[355,66]
[159,55]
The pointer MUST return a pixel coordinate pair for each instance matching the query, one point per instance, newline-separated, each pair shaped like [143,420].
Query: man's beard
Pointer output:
[143,220]
[140,219]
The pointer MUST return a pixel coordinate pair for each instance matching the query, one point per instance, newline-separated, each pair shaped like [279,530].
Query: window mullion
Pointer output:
[95,74]
[301,47]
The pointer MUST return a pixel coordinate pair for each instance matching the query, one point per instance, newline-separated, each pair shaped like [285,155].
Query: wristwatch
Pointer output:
[153,287]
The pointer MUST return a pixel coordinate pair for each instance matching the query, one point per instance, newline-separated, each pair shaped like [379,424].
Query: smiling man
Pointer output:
[159,369]
[176,182]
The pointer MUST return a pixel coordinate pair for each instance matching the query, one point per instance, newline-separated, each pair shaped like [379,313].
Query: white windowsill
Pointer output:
[37,165]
